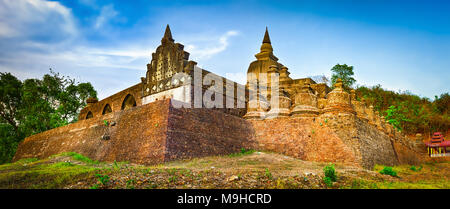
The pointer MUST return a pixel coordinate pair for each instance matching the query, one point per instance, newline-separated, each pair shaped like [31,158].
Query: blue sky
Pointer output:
[402,45]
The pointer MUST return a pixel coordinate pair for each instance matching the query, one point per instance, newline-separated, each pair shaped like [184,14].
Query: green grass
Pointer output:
[43,174]
[242,152]
[79,157]
[62,170]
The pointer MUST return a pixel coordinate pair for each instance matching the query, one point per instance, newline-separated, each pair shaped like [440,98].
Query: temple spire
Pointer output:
[266,37]
[168,34]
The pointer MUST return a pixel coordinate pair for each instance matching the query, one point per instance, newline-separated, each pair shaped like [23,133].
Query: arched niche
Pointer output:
[107,109]
[89,115]
[128,102]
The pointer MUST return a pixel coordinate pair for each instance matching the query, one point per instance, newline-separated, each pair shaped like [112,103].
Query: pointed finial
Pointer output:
[266,37]
[168,34]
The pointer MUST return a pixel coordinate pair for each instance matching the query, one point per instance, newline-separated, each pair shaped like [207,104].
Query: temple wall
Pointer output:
[137,135]
[182,93]
[146,134]
[306,138]
[376,147]
[198,132]
[158,132]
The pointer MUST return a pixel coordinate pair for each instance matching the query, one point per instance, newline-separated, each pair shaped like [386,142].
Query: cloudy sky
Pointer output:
[402,45]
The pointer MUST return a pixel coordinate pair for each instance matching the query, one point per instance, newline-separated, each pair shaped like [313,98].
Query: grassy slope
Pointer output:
[242,170]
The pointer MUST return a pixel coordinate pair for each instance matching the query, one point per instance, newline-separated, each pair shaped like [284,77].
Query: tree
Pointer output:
[345,73]
[442,103]
[35,105]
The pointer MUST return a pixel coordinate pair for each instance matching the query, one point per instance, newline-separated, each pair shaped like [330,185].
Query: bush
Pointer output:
[388,171]
[330,172]
[328,181]
[330,175]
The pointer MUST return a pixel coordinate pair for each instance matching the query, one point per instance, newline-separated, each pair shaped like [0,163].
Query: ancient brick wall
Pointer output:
[137,135]
[306,138]
[147,134]
[157,132]
[376,147]
[195,132]
[336,137]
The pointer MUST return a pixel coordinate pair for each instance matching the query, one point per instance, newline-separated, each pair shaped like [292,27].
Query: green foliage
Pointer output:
[414,168]
[345,73]
[8,142]
[395,116]
[242,152]
[80,157]
[37,105]
[268,174]
[105,122]
[329,175]
[130,184]
[388,171]
[408,112]
[328,181]
[103,179]
[172,179]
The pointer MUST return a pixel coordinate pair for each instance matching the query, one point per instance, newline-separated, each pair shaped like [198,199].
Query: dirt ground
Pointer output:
[251,169]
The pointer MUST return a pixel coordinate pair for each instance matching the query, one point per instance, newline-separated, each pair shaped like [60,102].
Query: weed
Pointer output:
[268,174]
[130,184]
[330,175]
[388,171]
[172,179]
[103,179]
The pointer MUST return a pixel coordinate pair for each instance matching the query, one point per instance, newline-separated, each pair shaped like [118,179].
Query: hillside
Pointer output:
[247,169]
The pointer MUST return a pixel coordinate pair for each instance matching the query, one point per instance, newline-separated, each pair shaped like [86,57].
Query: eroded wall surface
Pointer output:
[198,132]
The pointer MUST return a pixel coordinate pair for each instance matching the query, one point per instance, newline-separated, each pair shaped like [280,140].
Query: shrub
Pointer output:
[330,172]
[330,175]
[414,168]
[328,181]
[388,171]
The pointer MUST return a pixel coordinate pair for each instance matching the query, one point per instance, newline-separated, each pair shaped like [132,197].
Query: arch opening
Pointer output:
[89,115]
[107,109]
[128,102]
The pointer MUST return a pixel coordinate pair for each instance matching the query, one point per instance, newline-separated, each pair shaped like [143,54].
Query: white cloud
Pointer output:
[211,48]
[106,14]
[36,35]
[18,18]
